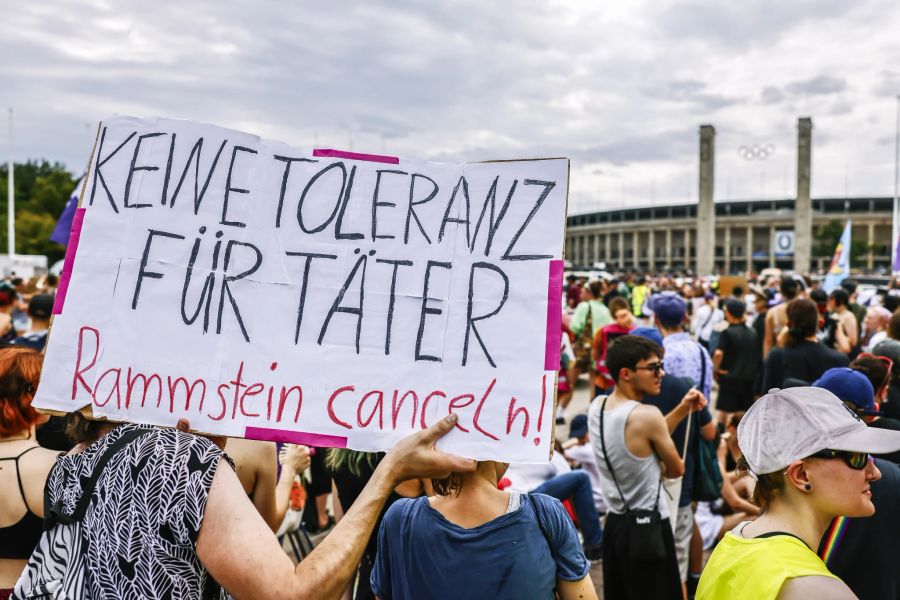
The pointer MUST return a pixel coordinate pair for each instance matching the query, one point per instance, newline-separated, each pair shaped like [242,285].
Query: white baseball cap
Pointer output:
[786,425]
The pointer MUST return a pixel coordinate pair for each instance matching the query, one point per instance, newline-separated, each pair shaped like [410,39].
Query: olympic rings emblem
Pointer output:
[756,151]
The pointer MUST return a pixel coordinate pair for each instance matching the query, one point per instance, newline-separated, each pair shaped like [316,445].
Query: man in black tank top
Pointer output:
[636,437]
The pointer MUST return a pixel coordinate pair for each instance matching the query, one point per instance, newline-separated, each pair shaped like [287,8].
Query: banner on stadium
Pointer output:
[315,296]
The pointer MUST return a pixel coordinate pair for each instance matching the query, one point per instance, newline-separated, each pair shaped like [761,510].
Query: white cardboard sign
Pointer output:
[272,292]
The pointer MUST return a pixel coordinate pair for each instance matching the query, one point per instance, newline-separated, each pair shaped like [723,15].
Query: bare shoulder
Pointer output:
[815,586]
[250,451]
[646,416]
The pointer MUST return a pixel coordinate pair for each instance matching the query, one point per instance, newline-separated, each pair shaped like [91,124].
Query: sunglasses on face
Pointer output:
[655,367]
[854,460]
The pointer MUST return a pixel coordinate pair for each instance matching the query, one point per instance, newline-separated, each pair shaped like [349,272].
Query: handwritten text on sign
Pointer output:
[254,287]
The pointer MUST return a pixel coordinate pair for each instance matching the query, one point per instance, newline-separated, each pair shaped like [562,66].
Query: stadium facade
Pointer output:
[663,238]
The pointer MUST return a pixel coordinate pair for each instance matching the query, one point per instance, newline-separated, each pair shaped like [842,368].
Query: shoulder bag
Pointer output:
[643,527]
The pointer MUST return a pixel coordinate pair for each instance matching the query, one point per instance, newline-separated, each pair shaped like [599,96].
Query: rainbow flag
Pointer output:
[833,537]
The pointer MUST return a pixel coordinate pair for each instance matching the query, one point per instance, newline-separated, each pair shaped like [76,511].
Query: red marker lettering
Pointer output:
[334,417]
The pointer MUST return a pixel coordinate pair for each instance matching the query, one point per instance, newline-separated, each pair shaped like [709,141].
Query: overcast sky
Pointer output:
[619,87]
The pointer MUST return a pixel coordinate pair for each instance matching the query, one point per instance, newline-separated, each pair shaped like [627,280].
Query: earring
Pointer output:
[807,487]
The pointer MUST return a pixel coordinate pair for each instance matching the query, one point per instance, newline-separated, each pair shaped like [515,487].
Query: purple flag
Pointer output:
[60,233]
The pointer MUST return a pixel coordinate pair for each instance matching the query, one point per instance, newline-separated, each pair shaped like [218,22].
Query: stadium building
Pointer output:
[663,238]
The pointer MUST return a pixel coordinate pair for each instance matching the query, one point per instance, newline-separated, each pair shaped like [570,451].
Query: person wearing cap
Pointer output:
[735,362]
[776,318]
[803,359]
[672,391]
[632,440]
[40,308]
[810,456]
[847,546]
[578,449]
[684,357]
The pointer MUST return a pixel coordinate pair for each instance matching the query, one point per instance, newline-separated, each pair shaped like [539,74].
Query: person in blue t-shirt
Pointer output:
[472,540]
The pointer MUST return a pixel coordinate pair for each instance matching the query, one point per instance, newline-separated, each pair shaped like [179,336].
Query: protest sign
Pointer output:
[330,298]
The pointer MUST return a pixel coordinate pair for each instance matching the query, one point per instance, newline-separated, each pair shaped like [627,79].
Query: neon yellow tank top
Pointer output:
[756,568]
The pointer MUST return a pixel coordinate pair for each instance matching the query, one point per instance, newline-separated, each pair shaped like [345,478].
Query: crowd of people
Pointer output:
[739,443]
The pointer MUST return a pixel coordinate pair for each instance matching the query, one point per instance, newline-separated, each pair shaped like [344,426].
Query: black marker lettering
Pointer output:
[428,311]
[98,174]
[309,258]
[288,161]
[463,185]
[313,180]
[470,320]
[492,224]
[353,310]
[195,157]
[390,313]
[411,211]
[133,168]
[548,185]
[145,258]
[227,279]
[228,190]
[376,203]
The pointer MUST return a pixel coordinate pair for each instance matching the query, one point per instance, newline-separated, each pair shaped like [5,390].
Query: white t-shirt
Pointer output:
[524,477]
[584,455]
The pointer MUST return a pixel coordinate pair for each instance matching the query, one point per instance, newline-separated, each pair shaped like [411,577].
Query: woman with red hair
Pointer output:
[23,464]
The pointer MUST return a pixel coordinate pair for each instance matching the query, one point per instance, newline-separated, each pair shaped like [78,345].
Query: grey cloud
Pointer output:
[772,95]
[691,91]
[820,85]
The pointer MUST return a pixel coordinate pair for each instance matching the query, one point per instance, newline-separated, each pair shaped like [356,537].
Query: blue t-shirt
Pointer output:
[423,555]
[670,394]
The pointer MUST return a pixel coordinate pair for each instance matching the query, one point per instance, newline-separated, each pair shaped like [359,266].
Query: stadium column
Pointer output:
[803,205]
[749,249]
[772,246]
[688,257]
[636,249]
[668,247]
[622,249]
[608,247]
[727,250]
[870,241]
[651,250]
[706,211]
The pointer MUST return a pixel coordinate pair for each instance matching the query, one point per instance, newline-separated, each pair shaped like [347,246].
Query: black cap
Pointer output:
[735,307]
[41,306]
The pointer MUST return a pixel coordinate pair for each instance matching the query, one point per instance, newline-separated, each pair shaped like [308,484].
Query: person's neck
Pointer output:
[39,325]
[16,437]
[624,392]
[667,332]
[797,517]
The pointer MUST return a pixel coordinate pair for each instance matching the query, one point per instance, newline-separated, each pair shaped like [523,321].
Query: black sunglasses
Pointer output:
[655,367]
[854,460]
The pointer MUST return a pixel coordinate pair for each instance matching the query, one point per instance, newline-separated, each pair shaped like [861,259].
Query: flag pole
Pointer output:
[895,246]
[10,194]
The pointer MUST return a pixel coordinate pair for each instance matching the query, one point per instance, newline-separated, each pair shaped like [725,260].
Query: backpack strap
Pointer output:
[54,511]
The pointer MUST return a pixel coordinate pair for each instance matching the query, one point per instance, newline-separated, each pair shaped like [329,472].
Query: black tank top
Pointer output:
[19,539]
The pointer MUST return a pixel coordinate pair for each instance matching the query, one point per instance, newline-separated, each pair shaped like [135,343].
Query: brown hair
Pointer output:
[81,430]
[618,303]
[803,320]
[894,326]
[768,486]
[20,372]
[596,288]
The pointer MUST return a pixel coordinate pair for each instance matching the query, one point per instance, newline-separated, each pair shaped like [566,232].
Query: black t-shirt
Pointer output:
[891,408]
[738,343]
[806,362]
[759,326]
[866,553]
[888,423]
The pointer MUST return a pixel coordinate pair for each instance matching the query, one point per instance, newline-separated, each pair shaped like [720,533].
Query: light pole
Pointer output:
[10,194]
[895,222]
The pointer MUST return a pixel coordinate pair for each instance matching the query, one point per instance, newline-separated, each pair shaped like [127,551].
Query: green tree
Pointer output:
[827,238]
[41,191]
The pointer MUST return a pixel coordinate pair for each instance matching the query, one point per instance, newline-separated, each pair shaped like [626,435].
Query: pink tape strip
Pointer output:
[69,262]
[328,153]
[319,440]
[554,315]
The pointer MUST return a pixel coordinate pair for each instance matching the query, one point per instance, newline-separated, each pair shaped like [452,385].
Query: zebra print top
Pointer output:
[146,513]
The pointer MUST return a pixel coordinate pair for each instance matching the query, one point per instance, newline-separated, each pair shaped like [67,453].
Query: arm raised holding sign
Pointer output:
[238,548]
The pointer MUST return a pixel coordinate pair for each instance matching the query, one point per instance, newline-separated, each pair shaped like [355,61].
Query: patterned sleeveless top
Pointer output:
[143,523]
